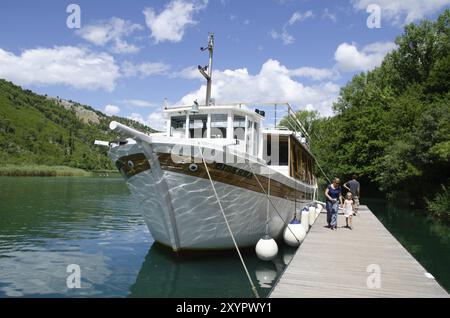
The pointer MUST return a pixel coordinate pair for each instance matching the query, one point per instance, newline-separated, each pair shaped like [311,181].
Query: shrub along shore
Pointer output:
[42,171]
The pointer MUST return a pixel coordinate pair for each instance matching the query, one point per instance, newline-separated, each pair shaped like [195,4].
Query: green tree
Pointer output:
[391,125]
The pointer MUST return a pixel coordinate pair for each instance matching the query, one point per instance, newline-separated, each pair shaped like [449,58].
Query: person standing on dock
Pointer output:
[333,193]
[354,187]
[349,208]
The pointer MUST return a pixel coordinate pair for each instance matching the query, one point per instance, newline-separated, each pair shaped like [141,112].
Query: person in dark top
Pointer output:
[333,195]
[354,187]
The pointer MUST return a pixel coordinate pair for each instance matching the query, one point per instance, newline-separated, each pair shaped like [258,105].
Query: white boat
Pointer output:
[261,176]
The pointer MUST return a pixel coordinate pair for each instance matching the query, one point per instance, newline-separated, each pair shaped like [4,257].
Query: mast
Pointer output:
[206,71]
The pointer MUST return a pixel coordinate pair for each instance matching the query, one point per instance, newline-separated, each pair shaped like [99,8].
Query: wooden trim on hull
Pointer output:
[133,164]
[231,175]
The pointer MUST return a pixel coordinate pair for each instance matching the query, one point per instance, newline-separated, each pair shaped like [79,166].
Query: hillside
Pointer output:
[39,130]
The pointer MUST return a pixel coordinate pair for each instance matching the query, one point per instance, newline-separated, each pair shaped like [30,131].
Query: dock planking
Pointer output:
[331,264]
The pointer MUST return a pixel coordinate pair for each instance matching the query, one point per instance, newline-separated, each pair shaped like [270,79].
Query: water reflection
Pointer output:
[163,274]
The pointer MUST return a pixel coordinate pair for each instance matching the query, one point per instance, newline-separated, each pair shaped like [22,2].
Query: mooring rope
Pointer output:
[318,165]
[255,292]
[273,205]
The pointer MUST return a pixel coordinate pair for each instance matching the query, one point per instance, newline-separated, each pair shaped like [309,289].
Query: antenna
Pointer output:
[206,71]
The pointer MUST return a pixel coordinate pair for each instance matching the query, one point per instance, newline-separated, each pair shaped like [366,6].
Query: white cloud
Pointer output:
[156,121]
[137,117]
[284,36]
[350,59]
[328,15]
[139,103]
[125,47]
[172,22]
[274,82]
[298,16]
[112,31]
[63,65]
[403,11]
[144,69]
[111,110]
[313,73]
[190,72]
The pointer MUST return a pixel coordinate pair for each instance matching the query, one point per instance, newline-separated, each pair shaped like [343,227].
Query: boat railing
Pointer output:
[282,116]
[277,115]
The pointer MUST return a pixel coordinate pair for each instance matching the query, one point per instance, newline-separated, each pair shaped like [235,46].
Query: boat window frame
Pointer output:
[223,128]
[244,121]
[171,127]
[205,127]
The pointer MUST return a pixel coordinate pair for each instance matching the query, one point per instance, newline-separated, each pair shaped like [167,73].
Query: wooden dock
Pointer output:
[364,262]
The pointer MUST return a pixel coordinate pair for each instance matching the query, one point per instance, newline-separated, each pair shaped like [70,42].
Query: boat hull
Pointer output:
[181,210]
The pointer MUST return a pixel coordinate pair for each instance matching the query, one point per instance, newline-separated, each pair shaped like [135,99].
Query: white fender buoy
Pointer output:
[312,215]
[294,234]
[266,249]
[316,213]
[318,210]
[305,220]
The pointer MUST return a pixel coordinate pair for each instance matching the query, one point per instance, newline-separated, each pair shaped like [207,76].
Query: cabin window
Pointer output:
[178,126]
[249,140]
[239,127]
[283,152]
[304,167]
[301,163]
[197,126]
[276,150]
[267,149]
[219,123]
[255,139]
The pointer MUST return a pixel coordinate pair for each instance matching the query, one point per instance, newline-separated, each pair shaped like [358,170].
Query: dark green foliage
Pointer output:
[305,117]
[37,130]
[439,206]
[392,125]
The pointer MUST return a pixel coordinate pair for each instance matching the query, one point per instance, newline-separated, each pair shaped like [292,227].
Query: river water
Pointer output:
[46,224]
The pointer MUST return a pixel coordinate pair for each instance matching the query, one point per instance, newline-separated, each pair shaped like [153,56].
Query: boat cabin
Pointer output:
[240,129]
[287,152]
[220,124]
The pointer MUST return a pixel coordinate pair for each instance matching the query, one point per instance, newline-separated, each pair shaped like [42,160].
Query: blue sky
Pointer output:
[130,55]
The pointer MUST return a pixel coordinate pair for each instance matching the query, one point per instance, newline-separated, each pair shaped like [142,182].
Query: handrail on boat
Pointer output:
[294,122]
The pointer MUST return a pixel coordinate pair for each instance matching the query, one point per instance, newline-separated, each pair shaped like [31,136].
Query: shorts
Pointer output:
[356,200]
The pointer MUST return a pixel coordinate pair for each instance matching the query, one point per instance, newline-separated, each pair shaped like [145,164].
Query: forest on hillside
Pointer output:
[38,130]
[391,125]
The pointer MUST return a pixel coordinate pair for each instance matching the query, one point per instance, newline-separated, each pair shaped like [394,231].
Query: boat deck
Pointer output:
[345,263]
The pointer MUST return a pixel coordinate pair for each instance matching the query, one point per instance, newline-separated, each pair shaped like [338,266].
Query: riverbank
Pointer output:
[42,171]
